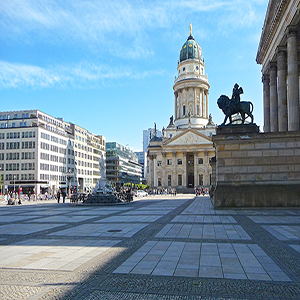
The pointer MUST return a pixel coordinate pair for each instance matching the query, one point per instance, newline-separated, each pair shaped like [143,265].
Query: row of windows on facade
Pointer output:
[84,164]
[98,141]
[52,168]
[179,162]
[16,145]
[92,138]
[197,69]
[15,166]
[47,167]
[16,155]
[53,138]
[83,155]
[184,110]
[54,158]
[84,148]
[86,172]
[50,120]
[16,116]
[17,135]
[52,177]
[14,124]
[54,129]
[179,180]
[53,148]
[17,177]
[26,116]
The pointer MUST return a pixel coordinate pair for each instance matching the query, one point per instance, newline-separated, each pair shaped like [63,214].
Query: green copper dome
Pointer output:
[190,50]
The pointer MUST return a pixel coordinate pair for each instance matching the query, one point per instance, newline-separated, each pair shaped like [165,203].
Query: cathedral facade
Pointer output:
[180,157]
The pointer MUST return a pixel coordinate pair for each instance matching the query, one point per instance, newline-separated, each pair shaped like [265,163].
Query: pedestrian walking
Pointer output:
[64,195]
[58,195]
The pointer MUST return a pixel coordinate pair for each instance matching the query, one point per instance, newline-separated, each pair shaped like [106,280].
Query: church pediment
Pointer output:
[190,137]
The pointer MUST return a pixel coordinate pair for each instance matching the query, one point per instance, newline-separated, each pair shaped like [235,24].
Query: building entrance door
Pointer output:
[190,180]
[190,170]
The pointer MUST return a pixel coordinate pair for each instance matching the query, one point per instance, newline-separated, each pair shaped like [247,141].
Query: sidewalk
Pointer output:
[157,247]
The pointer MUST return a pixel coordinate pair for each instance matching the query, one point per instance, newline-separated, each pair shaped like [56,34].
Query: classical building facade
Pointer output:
[180,157]
[278,53]
[255,171]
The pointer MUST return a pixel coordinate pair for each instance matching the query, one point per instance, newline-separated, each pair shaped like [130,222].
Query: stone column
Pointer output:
[203,103]
[273,98]
[154,171]
[174,169]
[195,168]
[175,106]
[164,178]
[195,101]
[266,83]
[184,169]
[200,102]
[282,89]
[151,171]
[206,173]
[206,96]
[293,81]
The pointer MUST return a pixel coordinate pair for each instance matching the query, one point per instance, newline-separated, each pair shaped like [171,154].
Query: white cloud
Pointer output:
[78,75]
[15,75]
[109,23]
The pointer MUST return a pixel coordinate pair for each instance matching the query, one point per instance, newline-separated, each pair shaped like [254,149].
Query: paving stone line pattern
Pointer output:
[158,247]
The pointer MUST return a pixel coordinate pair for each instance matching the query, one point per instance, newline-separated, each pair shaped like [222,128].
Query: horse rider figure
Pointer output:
[235,99]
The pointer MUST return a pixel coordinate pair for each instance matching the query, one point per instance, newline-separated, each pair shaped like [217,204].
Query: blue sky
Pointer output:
[109,66]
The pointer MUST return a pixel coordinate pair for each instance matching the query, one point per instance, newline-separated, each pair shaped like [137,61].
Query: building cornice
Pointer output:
[273,15]
[280,14]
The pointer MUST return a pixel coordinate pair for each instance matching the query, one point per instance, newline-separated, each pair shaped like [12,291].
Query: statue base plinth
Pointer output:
[101,199]
[237,128]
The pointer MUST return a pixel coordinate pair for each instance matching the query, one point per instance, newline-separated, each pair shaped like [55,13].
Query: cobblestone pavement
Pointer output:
[157,247]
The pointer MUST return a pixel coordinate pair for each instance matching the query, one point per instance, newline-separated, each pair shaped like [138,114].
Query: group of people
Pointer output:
[61,193]
[163,191]
[200,191]
[13,198]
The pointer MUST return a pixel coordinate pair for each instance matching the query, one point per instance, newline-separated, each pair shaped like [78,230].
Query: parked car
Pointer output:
[140,193]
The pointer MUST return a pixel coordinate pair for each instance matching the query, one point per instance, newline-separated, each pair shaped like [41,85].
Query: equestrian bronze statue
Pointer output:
[235,105]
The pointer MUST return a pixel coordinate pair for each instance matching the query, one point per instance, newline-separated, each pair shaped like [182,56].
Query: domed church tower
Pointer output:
[180,157]
[191,87]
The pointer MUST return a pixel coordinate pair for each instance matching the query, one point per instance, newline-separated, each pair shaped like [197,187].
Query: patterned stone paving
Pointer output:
[158,247]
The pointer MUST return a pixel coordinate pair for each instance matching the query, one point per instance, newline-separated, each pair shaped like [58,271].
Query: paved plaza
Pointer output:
[157,247]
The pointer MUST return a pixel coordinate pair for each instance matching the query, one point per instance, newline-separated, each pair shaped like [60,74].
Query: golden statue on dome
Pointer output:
[190,28]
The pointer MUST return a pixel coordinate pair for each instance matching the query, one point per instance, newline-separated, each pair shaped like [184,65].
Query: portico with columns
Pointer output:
[278,53]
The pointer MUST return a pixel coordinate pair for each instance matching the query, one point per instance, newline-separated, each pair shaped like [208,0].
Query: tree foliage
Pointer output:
[137,186]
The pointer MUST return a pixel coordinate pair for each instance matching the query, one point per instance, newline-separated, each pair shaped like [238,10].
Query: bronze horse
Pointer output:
[244,108]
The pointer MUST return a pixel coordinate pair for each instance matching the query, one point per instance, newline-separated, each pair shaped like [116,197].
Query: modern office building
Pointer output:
[142,160]
[40,153]
[122,165]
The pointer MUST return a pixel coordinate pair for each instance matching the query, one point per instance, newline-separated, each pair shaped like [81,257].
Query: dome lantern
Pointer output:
[190,49]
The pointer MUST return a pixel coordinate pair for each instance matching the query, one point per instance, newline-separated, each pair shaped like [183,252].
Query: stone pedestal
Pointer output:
[256,169]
